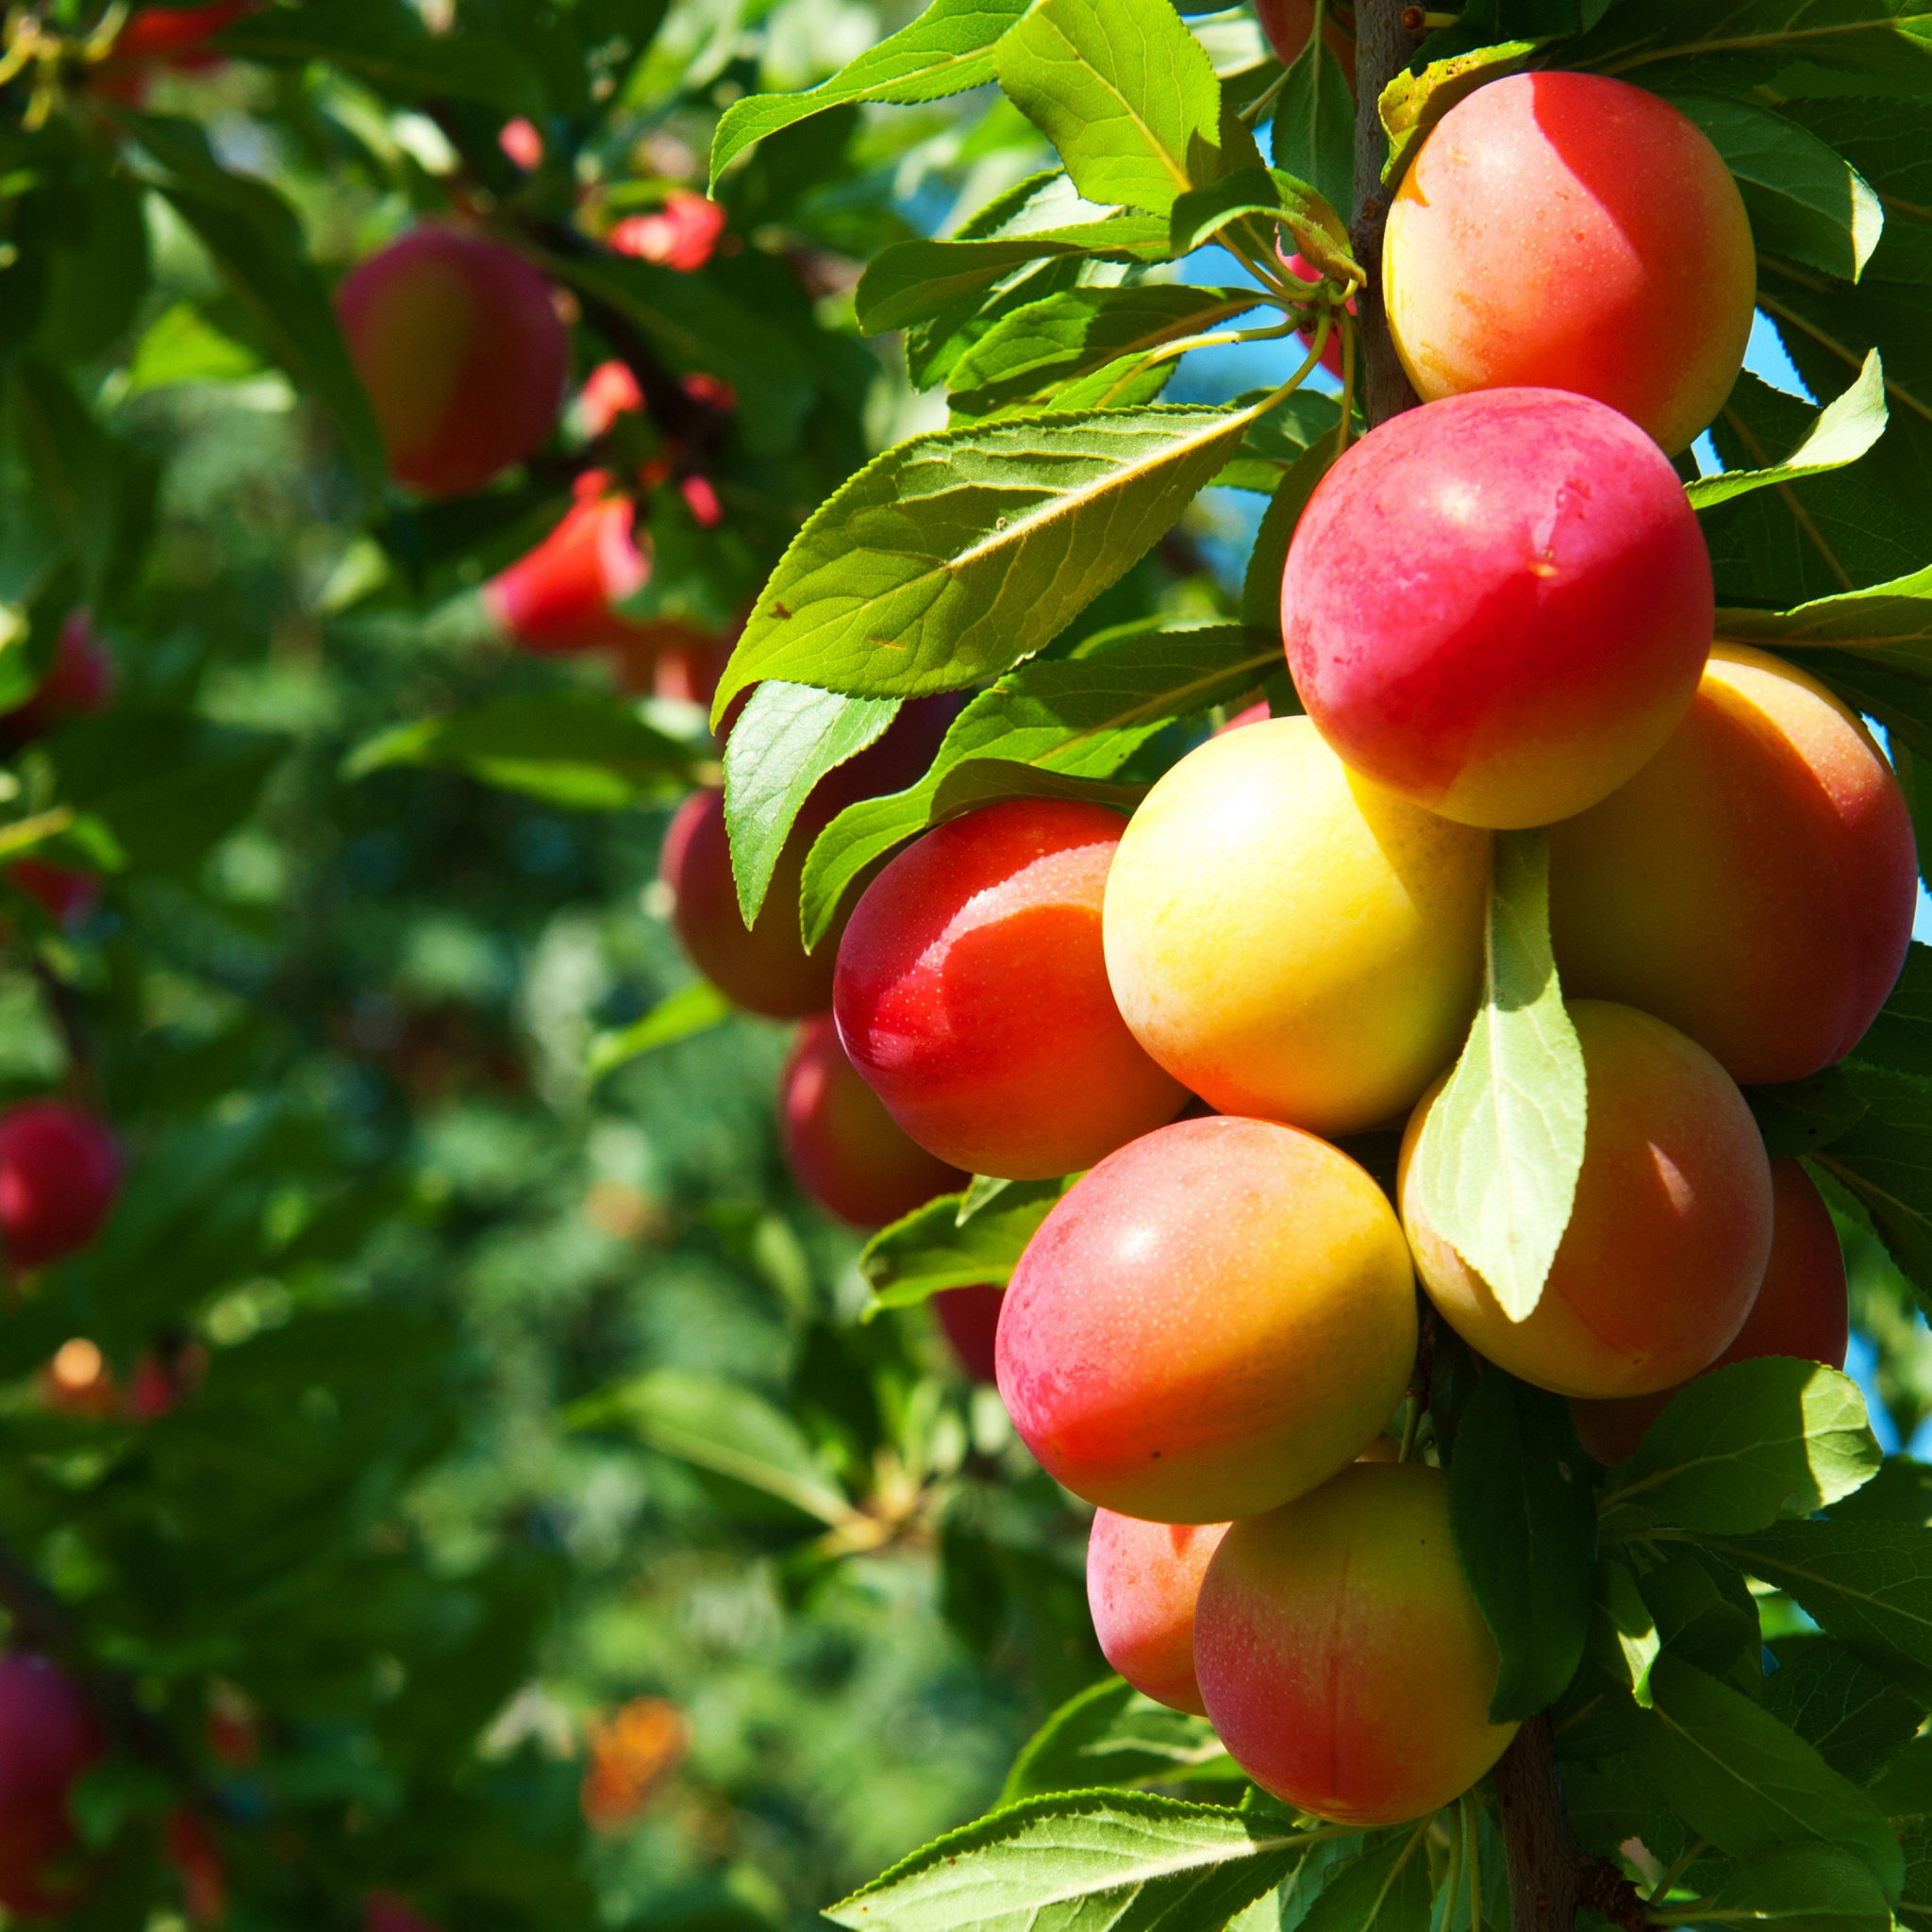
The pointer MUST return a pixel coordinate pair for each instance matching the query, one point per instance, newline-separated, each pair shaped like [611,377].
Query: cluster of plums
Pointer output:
[1498,613]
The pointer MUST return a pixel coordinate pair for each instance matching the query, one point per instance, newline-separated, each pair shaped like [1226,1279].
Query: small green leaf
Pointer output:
[1266,197]
[1413,102]
[1741,1447]
[1525,1535]
[947,50]
[1622,1632]
[1746,1782]
[915,281]
[1123,91]
[1888,623]
[1801,1889]
[933,1248]
[786,739]
[181,345]
[1845,428]
[1049,343]
[1109,1735]
[1073,719]
[983,1190]
[719,1426]
[1314,124]
[954,555]
[1090,1858]
[1500,1152]
[690,1010]
[1806,200]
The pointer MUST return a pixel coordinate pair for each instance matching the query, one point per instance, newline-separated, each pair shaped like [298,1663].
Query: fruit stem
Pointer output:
[1383,48]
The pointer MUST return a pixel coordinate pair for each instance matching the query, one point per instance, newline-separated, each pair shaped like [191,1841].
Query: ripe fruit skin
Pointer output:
[1292,940]
[972,994]
[843,1148]
[457,341]
[970,1317]
[68,896]
[558,597]
[1142,1579]
[59,1172]
[1215,1320]
[1801,1310]
[1341,1658]
[1568,231]
[1499,604]
[388,1911]
[1668,1239]
[767,969]
[1755,884]
[49,1737]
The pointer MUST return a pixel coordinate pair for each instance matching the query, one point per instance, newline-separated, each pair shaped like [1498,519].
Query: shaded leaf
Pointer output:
[1520,1512]
[932,1248]
[1314,124]
[1801,1889]
[1801,1116]
[1747,1783]
[1384,1887]
[691,1009]
[722,1428]
[1111,1735]
[1853,1714]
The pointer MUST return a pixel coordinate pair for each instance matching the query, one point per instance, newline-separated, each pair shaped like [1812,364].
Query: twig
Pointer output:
[1383,48]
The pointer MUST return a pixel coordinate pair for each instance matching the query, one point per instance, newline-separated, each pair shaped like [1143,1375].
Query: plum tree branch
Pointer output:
[1383,47]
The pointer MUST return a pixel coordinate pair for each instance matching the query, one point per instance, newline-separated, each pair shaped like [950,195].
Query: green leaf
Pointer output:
[1663,42]
[1384,1889]
[1314,124]
[181,345]
[1520,1512]
[1914,1911]
[1746,1782]
[1801,1116]
[1622,1639]
[1904,1788]
[932,1249]
[576,748]
[1498,1158]
[1125,93]
[953,555]
[691,1009]
[1264,197]
[1884,1161]
[1111,1735]
[1413,102]
[74,465]
[1850,1712]
[1801,1889]
[914,281]
[1806,200]
[719,1426]
[1869,1584]
[1088,1859]
[1078,332]
[1076,718]
[1741,1447]
[1846,427]
[257,245]
[1889,623]
[785,740]
[385,43]
[1900,1038]
[947,50]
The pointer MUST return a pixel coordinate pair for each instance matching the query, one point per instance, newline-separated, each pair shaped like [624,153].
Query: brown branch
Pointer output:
[1383,48]
[1550,1877]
